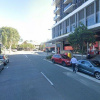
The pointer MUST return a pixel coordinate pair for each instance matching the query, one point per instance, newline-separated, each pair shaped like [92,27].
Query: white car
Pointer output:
[53,52]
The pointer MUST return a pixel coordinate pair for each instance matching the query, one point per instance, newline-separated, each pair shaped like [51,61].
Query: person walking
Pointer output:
[73,62]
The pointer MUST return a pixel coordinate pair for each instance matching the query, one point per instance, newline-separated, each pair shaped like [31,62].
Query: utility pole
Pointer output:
[0,42]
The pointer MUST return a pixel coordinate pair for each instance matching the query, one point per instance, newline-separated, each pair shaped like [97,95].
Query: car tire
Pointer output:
[53,60]
[97,75]
[64,64]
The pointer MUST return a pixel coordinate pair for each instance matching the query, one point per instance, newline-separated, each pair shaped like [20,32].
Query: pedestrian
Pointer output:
[73,62]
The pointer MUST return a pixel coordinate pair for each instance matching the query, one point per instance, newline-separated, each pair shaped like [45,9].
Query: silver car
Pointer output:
[89,67]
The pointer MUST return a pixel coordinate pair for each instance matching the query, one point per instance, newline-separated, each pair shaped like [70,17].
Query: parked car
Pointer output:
[14,50]
[61,59]
[89,67]
[53,52]
[4,58]
[96,62]
[1,65]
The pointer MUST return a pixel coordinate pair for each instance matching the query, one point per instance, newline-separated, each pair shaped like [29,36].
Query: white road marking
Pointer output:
[26,56]
[47,78]
[81,74]
[47,60]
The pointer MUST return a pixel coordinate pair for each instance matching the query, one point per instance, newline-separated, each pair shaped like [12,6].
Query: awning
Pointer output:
[59,38]
[68,48]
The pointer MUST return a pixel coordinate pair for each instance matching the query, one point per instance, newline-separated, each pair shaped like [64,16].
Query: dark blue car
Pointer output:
[90,67]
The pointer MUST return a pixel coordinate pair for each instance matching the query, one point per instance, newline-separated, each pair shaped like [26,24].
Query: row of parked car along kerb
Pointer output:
[91,67]
[4,60]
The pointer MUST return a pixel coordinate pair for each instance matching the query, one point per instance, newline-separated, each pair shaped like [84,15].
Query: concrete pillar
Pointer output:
[85,16]
[94,11]
[99,5]
[99,10]
[69,24]
[61,47]
[77,19]
[55,48]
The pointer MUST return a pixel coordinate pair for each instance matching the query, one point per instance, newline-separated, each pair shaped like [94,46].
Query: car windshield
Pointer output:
[64,57]
[95,63]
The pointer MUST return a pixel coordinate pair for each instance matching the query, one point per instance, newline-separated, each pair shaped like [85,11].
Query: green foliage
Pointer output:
[79,38]
[10,36]
[26,46]
[49,57]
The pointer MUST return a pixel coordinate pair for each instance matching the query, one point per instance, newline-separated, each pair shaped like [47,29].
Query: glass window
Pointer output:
[81,14]
[90,20]
[97,5]
[90,10]
[72,19]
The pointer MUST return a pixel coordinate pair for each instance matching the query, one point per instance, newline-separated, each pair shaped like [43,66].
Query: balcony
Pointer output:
[56,18]
[55,2]
[69,8]
[57,10]
[67,1]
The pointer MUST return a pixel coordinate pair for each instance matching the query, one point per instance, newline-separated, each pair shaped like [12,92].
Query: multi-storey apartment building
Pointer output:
[68,15]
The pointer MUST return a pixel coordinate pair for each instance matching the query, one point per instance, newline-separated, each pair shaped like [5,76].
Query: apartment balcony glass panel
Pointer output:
[61,31]
[67,1]
[98,17]
[67,29]
[82,21]
[55,2]
[72,27]
[56,18]
[69,8]
[57,10]
[90,20]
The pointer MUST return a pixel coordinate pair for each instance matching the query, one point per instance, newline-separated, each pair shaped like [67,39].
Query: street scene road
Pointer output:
[29,76]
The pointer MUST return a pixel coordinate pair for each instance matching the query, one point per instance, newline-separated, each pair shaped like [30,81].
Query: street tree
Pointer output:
[26,46]
[10,36]
[80,37]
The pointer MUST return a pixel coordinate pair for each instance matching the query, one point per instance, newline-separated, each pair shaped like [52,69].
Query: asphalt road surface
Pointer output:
[29,76]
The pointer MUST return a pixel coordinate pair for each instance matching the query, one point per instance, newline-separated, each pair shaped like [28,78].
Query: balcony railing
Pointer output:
[67,1]
[69,7]
[56,10]
[55,2]
[56,17]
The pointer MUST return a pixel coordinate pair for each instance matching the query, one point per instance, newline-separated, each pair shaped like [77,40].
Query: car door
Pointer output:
[82,66]
[89,68]
[59,59]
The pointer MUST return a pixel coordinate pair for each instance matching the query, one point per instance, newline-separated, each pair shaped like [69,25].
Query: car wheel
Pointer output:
[53,60]
[64,64]
[97,75]
[76,69]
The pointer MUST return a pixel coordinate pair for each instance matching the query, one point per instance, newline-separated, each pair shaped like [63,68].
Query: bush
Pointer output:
[49,57]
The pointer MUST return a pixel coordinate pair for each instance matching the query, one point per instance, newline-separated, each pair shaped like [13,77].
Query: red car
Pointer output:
[61,59]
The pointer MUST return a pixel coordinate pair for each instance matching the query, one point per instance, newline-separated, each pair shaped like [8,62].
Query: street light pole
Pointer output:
[0,42]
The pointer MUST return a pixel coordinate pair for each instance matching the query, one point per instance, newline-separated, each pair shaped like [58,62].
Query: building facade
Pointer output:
[68,15]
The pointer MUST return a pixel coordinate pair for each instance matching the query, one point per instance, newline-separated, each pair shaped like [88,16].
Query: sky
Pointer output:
[33,19]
